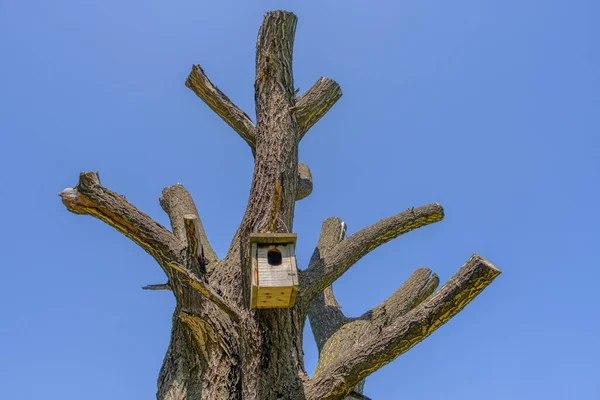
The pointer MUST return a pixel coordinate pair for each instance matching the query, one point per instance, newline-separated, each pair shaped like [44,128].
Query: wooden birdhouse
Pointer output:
[274,273]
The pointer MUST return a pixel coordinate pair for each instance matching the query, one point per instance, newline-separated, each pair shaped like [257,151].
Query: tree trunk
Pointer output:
[222,349]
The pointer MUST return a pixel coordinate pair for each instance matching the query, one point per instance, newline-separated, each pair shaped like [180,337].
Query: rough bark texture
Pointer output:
[220,348]
[315,103]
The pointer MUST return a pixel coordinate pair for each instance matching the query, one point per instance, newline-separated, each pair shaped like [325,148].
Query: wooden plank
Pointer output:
[273,238]
[294,274]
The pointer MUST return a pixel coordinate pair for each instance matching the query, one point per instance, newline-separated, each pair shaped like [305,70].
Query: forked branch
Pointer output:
[369,343]
[315,103]
[309,108]
[90,198]
[323,272]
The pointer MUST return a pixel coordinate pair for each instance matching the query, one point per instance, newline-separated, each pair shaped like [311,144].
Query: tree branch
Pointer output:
[421,284]
[220,104]
[305,184]
[329,267]
[310,107]
[177,202]
[367,344]
[90,198]
[314,104]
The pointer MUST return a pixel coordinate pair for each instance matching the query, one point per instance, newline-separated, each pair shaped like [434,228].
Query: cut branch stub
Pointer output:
[192,228]
[177,202]
[305,184]
[195,253]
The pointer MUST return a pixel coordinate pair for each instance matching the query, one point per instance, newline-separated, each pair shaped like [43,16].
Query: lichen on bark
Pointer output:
[220,348]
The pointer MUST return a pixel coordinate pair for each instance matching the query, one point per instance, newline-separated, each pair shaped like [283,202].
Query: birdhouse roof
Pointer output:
[279,238]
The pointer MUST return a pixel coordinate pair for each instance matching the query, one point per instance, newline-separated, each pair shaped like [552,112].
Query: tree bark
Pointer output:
[220,348]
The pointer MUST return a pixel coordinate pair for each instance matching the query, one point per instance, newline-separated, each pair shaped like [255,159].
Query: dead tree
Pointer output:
[221,348]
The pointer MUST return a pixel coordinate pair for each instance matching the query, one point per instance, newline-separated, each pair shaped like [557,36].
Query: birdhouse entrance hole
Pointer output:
[274,273]
[274,257]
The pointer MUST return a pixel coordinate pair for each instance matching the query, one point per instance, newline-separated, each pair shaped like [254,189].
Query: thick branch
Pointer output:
[310,107]
[177,202]
[220,104]
[90,198]
[364,347]
[315,102]
[328,268]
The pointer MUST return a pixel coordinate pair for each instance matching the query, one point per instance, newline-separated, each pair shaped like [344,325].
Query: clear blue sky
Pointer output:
[489,108]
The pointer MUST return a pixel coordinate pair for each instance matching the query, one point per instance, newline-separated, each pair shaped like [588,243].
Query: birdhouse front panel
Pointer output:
[274,272]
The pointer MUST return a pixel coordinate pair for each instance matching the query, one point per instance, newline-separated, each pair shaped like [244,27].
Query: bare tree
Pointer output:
[221,348]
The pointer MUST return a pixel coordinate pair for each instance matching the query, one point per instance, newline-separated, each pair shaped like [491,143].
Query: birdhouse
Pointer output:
[274,273]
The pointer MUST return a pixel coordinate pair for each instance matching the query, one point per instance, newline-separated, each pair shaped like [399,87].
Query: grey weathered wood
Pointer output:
[273,238]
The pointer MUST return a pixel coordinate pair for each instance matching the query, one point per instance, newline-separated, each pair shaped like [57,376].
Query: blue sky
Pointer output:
[489,108]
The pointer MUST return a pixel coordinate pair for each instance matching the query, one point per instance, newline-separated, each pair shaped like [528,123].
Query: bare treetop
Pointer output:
[220,347]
